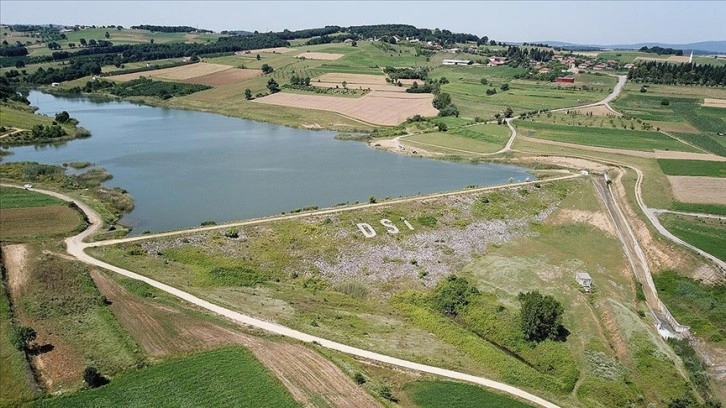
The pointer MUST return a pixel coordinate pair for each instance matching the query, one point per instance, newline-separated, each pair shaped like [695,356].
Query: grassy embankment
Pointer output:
[435,394]
[704,233]
[17,122]
[302,287]
[224,377]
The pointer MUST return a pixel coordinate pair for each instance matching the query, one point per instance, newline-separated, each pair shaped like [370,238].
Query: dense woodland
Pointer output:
[678,74]
[660,50]
[170,29]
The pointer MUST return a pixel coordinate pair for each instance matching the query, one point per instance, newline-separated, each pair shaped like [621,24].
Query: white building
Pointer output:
[456,62]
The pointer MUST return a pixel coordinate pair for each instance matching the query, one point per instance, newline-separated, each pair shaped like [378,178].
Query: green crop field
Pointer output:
[17,198]
[706,234]
[692,168]
[437,394]
[698,305]
[224,377]
[603,137]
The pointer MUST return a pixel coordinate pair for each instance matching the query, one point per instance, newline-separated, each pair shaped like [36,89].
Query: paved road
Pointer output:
[76,247]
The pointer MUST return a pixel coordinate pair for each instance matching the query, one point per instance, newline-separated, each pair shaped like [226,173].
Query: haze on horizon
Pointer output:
[595,22]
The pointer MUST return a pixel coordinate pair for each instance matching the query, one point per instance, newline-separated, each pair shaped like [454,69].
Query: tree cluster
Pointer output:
[406,73]
[453,295]
[43,132]
[541,317]
[661,51]
[678,74]
[170,29]
[521,56]
[299,80]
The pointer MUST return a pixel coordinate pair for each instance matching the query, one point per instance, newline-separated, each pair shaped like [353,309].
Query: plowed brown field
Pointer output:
[163,330]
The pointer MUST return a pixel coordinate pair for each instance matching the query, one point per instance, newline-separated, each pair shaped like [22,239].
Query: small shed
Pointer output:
[584,279]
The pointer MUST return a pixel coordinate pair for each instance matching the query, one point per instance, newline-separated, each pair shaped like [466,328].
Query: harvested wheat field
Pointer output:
[176,73]
[714,103]
[668,154]
[226,77]
[701,190]
[599,110]
[380,108]
[324,56]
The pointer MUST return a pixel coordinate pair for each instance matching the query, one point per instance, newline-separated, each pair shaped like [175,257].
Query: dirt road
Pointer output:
[76,247]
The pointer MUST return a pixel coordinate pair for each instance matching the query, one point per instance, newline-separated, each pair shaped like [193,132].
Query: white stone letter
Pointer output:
[408,224]
[392,229]
[366,229]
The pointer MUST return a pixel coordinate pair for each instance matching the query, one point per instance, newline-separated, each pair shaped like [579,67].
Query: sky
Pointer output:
[583,22]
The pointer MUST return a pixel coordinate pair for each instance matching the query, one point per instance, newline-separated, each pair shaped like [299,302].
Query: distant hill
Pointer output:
[703,47]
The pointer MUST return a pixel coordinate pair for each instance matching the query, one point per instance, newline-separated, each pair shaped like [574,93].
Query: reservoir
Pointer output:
[185,167]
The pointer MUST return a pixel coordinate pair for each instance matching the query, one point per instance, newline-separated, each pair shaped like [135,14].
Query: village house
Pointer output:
[565,80]
[496,61]
[584,279]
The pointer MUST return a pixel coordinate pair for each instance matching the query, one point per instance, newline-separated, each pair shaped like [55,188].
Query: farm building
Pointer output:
[456,62]
[566,80]
[584,279]
[496,61]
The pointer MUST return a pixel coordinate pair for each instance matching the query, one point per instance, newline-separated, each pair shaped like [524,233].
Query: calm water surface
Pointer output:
[185,167]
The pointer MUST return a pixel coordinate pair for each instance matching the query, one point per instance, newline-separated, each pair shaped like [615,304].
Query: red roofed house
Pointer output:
[566,80]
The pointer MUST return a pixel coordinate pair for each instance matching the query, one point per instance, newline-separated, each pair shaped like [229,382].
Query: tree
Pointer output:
[248,94]
[541,317]
[93,378]
[508,113]
[83,42]
[504,87]
[92,43]
[273,86]
[442,100]
[665,102]
[19,64]
[345,85]
[62,117]
[484,81]
[453,295]
[442,127]
[354,43]
[107,35]
[266,69]
[151,41]
[22,336]
[258,57]
[491,91]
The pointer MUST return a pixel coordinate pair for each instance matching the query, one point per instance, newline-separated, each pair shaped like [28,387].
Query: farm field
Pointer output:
[435,394]
[692,168]
[704,233]
[238,379]
[603,137]
[28,216]
[483,138]
[362,306]
[201,72]
[703,190]
[377,107]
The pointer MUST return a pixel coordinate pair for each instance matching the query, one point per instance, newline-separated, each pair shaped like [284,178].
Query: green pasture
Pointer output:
[706,234]
[693,168]
[603,137]
[437,394]
[17,198]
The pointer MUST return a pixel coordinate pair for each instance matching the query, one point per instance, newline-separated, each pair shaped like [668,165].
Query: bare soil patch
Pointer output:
[599,110]
[361,79]
[26,223]
[325,56]
[273,50]
[570,162]
[175,73]
[682,127]
[668,154]
[702,190]
[163,331]
[380,108]
[672,58]
[597,219]
[226,77]
[160,330]
[714,103]
[15,260]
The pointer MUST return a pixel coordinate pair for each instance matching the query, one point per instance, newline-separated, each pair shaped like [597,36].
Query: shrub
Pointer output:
[453,295]
[359,379]
[93,378]
[541,317]
[427,221]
